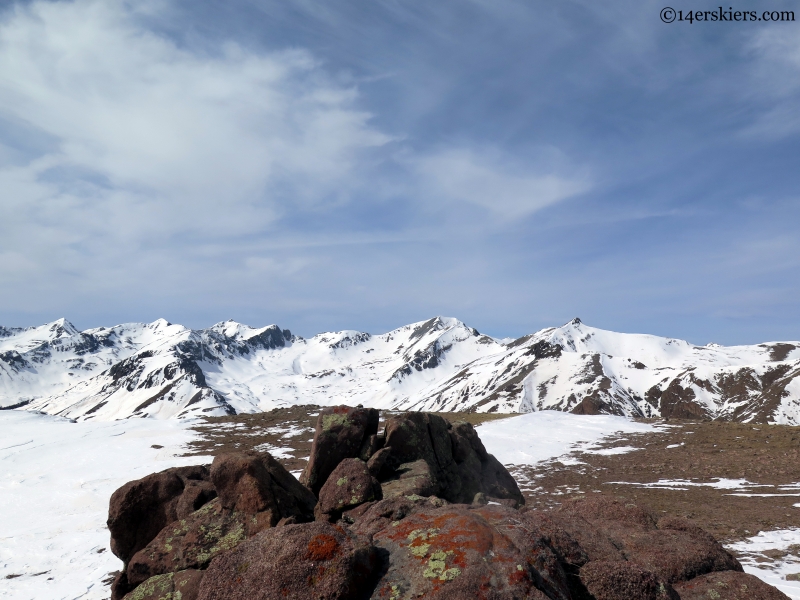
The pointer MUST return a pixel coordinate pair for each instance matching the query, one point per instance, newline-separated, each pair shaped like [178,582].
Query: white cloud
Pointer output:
[155,140]
[487,181]
[776,82]
[158,174]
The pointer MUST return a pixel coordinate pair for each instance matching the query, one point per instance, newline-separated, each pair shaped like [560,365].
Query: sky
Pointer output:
[364,165]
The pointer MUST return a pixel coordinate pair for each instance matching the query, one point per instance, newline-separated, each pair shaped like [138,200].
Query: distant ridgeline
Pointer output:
[164,370]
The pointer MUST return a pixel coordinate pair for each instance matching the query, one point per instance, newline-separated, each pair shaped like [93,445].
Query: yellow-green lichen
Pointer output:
[160,584]
[340,482]
[423,534]
[420,550]
[437,567]
[329,421]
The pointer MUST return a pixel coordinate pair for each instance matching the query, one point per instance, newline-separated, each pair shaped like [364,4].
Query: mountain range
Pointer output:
[164,370]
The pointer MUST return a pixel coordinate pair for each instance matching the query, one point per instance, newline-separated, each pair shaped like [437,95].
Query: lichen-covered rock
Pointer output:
[412,479]
[311,561]
[622,580]
[342,432]
[368,519]
[728,585]
[140,509]
[192,542]
[456,552]
[430,456]
[183,585]
[254,482]
[349,485]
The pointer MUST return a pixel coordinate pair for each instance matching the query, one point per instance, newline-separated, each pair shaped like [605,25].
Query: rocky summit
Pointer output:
[164,370]
[417,510]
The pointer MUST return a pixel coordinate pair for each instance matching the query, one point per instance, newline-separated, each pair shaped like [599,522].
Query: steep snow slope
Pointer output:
[164,370]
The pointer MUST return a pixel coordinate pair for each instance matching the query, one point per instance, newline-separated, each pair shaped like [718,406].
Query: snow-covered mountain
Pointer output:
[164,370]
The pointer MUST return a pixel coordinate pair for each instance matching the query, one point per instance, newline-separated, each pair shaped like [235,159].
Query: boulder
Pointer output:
[311,561]
[674,550]
[622,580]
[728,585]
[412,479]
[140,509]
[342,432]
[192,542]
[183,585]
[455,552]
[378,460]
[368,519]
[253,482]
[430,456]
[349,485]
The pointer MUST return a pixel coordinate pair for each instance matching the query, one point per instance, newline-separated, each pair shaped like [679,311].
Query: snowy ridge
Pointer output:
[164,370]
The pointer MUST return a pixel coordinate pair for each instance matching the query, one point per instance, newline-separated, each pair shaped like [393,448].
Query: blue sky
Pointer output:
[364,165]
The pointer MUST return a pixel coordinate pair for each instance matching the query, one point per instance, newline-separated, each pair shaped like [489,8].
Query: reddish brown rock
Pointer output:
[311,561]
[370,518]
[610,511]
[140,509]
[412,479]
[342,432]
[621,580]
[192,542]
[183,585]
[455,552]
[349,485]
[432,457]
[728,585]
[378,460]
[611,531]
[678,555]
[252,482]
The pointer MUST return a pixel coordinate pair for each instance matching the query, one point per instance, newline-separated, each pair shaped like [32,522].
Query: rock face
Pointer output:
[140,509]
[429,456]
[256,483]
[621,580]
[422,511]
[303,562]
[183,585]
[458,552]
[350,485]
[192,542]
[342,432]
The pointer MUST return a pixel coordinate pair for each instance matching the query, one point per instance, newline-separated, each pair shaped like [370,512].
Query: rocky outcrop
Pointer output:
[183,585]
[419,511]
[622,580]
[255,482]
[431,457]
[140,509]
[302,562]
[350,485]
[342,432]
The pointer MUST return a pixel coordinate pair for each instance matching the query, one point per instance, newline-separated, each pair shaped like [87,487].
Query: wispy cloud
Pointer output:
[492,181]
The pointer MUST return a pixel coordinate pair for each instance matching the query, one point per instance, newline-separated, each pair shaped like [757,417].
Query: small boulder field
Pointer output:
[418,510]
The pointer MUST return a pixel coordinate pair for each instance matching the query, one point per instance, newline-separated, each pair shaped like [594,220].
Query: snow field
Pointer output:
[56,478]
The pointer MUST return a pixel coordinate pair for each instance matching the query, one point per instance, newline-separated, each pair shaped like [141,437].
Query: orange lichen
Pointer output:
[322,547]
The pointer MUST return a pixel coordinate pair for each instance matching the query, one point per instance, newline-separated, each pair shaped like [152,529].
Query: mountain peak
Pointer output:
[61,327]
